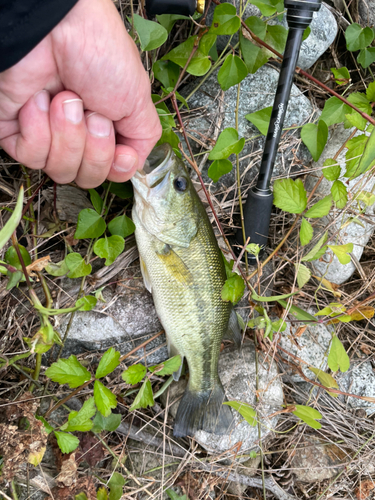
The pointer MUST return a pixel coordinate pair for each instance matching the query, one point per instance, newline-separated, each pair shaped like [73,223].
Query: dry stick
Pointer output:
[307,75]
[64,400]
[140,346]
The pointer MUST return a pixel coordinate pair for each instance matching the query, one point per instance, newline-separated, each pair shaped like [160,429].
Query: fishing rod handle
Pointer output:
[181,7]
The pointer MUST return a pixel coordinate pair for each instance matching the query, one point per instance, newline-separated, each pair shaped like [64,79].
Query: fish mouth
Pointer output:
[152,180]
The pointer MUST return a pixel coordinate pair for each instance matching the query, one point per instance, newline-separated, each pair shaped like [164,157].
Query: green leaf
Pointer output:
[333,170]
[101,494]
[320,209]
[361,102]
[303,275]
[245,410]
[253,56]
[123,190]
[366,57]
[315,137]
[116,484]
[272,298]
[267,7]
[168,20]
[367,160]
[227,144]
[68,371]
[151,35]
[366,197]
[90,224]
[276,37]
[325,379]
[315,249]
[109,423]
[121,226]
[306,232]
[257,26]
[279,325]
[58,269]
[167,367]
[96,200]
[167,72]
[338,357]
[206,43]
[370,92]
[253,249]
[144,397]
[47,427]
[86,303]
[308,415]
[342,75]
[339,194]
[341,252]
[261,119]
[200,63]
[104,399]
[290,195]
[80,496]
[12,259]
[174,496]
[77,266]
[225,20]
[9,228]
[297,312]
[108,362]
[80,421]
[218,168]
[67,442]
[356,147]
[109,248]
[232,72]
[358,38]
[334,111]
[233,289]
[134,374]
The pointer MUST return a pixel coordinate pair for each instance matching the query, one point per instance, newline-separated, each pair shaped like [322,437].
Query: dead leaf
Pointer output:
[300,330]
[332,287]
[68,473]
[364,489]
[38,265]
[364,348]
[361,312]
[90,449]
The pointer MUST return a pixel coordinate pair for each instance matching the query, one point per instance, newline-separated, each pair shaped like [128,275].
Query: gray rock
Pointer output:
[70,200]
[249,469]
[323,32]
[216,111]
[329,265]
[123,322]
[359,380]
[312,347]
[237,369]
[314,460]
[366,9]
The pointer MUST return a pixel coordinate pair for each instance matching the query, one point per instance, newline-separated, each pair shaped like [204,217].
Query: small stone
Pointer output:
[314,460]
[366,9]
[127,322]
[312,347]
[359,380]
[358,234]
[237,371]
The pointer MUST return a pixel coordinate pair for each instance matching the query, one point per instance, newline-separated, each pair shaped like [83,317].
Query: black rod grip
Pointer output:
[181,7]
[257,214]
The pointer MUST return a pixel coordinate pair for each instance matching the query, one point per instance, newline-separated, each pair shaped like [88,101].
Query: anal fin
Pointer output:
[173,351]
[145,275]
[234,329]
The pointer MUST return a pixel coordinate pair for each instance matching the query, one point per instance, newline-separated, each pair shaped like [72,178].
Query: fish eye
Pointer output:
[180,184]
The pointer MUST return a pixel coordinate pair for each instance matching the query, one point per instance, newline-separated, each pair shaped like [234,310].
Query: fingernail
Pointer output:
[42,100]
[98,125]
[73,110]
[124,163]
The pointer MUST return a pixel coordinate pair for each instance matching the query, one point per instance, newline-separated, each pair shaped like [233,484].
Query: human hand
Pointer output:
[101,122]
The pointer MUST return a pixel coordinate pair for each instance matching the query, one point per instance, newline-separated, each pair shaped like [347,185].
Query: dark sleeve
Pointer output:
[24,23]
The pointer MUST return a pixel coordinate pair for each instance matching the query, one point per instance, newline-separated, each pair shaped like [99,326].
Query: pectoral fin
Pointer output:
[146,277]
[173,351]
[175,265]
[234,329]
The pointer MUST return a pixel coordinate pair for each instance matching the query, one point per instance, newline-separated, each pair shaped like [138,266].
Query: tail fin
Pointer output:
[203,410]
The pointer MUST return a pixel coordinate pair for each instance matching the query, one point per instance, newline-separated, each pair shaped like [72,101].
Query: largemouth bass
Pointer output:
[183,268]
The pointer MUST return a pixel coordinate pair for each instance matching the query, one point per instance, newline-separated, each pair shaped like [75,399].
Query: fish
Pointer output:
[183,267]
